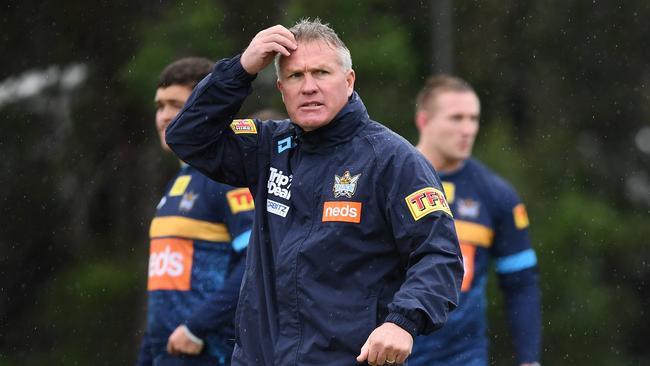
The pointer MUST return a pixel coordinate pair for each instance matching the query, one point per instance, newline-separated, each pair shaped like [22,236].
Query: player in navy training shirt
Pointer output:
[492,226]
[198,241]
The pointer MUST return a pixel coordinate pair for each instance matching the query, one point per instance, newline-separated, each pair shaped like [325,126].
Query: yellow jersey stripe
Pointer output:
[186,227]
[474,233]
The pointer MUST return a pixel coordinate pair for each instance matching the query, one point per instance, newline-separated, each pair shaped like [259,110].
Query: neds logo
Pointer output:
[166,263]
[170,264]
[342,211]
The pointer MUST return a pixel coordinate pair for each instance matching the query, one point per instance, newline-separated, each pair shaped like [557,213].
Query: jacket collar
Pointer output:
[345,125]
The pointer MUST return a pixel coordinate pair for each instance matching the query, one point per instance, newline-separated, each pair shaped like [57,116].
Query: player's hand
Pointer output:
[265,45]
[389,344]
[179,342]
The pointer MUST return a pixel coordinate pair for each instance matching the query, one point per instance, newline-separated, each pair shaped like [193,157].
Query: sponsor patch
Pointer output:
[161,203]
[240,200]
[285,144]
[180,185]
[240,126]
[345,185]
[187,202]
[342,211]
[425,201]
[450,191]
[170,264]
[521,216]
[469,254]
[277,208]
[279,185]
[468,208]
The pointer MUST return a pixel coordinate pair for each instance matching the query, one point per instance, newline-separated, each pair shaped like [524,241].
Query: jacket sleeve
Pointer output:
[425,236]
[204,134]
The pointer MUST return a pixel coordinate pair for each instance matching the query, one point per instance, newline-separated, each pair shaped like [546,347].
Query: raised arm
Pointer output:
[204,134]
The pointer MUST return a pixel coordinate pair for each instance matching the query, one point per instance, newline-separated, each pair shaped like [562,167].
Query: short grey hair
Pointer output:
[307,30]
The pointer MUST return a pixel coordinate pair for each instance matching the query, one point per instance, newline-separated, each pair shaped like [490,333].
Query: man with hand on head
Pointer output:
[198,240]
[353,251]
[492,225]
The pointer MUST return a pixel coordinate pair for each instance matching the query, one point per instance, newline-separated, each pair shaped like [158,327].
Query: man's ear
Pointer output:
[278,84]
[421,119]
[349,78]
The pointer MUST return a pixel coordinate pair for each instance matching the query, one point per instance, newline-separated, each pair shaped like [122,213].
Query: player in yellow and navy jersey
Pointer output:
[492,226]
[198,241]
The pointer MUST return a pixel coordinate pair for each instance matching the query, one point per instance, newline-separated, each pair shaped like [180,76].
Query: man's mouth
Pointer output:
[311,104]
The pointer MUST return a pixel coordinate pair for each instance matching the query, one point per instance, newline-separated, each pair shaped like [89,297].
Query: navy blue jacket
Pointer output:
[351,227]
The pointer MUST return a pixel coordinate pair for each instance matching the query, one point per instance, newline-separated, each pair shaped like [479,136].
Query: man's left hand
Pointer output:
[180,342]
[389,344]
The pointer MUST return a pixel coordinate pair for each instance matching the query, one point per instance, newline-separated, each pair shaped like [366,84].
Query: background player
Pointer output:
[198,240]
[491,223]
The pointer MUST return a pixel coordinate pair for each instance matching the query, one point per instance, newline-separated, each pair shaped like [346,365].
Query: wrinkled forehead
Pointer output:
[313,51]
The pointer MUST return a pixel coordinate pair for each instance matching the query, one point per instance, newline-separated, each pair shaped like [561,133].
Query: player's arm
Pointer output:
[144,356]
[213,314]
[201,134]
[516,267]
[218,311]
[426,239]
[522,299]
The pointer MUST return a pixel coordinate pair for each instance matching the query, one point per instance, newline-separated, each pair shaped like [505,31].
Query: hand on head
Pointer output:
[265,45]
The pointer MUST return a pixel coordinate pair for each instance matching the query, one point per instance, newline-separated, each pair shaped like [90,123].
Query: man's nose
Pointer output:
[469,126]
[168,113]
[309,85]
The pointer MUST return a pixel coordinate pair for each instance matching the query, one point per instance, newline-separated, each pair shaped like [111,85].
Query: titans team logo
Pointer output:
[187,202]
[468,208]
[345,185]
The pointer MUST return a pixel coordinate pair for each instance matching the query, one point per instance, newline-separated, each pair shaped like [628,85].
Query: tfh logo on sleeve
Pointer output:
[425,201]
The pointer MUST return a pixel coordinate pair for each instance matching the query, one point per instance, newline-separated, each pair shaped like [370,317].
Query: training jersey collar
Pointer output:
[457,171]
[345,125]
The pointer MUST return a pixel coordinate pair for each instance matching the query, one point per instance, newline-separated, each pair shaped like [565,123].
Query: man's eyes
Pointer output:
[176,105]
[297,75]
